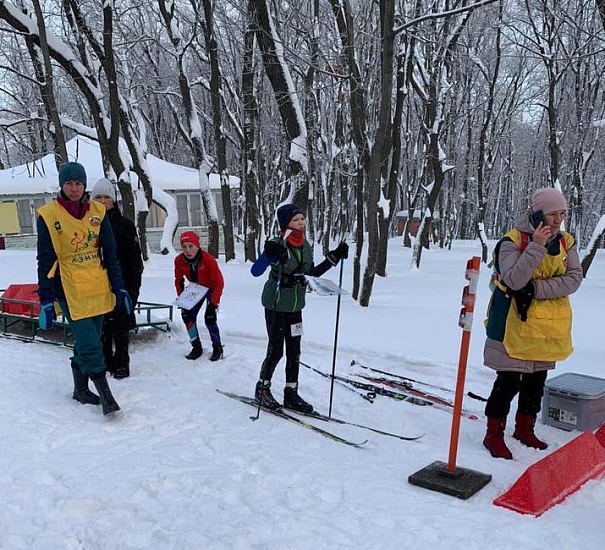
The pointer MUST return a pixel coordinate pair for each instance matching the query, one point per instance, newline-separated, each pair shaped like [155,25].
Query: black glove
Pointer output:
[341,252]
[276,251]
[210,314]
[523,298]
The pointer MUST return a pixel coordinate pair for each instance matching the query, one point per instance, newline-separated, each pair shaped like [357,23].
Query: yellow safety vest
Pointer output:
[76,243]
[546,335]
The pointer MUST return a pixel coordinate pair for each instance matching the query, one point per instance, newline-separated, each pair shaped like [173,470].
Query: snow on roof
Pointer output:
[40,176]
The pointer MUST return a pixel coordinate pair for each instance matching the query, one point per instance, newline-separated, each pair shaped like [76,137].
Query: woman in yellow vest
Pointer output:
[78,268]
[528,325]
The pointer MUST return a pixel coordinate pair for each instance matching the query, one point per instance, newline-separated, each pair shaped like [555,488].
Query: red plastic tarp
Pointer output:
[555,477]
[27,293]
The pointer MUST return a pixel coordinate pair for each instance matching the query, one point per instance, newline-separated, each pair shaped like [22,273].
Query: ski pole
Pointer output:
[470,394]
[342,263]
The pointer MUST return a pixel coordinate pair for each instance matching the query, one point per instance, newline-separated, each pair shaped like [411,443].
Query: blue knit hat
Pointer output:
[72,171]
[285,213]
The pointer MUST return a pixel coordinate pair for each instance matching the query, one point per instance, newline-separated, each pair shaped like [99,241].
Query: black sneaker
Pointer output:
[263,395]
[295,402]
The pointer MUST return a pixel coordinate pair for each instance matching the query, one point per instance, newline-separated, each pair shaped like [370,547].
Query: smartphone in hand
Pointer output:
[536,218]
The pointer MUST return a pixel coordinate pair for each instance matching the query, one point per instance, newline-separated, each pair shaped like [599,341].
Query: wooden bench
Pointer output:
[19,317]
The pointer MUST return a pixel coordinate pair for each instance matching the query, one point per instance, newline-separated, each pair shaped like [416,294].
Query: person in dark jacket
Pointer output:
[117,324]
[78,268]
[198,266]
[529,318]
[283,297]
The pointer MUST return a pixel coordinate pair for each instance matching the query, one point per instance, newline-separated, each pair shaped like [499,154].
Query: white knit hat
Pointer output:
[103,187]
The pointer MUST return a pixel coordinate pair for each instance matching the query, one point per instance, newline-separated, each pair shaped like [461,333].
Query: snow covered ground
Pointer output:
[184,467]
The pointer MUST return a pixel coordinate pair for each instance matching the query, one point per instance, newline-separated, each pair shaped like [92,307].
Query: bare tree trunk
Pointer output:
[381,151]
[285,97]
[344,22]
[394,174]
[252,226]
[193,125]
[219,135]
[47,88]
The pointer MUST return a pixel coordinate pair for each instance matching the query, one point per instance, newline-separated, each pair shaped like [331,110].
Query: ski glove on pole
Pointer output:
[341,252]
[47,314]
[276,251]
[123,300]
[523,298]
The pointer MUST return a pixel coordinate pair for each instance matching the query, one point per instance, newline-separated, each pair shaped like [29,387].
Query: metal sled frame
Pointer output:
[145,312]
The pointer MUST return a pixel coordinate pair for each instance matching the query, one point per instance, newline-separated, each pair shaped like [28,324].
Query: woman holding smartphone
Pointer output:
[529,317]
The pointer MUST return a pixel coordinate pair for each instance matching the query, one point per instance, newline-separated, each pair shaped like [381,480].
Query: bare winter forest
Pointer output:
[449,111]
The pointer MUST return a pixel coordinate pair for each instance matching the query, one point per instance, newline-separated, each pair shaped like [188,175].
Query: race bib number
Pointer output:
[296,329]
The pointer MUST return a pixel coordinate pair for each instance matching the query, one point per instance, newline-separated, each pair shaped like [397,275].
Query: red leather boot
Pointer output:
[494,438]
[524,431]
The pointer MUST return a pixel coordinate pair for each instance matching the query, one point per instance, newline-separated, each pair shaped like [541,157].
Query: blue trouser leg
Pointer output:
[88,350]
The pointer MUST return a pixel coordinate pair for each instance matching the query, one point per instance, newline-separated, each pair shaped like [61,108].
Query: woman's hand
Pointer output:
[542,234]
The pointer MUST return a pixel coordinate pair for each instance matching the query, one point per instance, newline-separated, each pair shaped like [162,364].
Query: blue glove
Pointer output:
[123,300]
[47,314]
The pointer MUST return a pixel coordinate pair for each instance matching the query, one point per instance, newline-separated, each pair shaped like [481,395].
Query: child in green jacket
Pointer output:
[283,297]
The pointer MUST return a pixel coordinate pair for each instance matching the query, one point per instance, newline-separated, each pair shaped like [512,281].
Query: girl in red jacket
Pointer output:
[198,266]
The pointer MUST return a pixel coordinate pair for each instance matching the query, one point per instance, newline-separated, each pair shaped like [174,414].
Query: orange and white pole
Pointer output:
[465,322]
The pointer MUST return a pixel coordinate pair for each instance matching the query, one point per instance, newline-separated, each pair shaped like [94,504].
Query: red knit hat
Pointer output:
[190,237]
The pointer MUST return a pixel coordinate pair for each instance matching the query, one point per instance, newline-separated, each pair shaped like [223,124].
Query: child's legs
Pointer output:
[189,318]
[212,325]
[293,339]
[275,322]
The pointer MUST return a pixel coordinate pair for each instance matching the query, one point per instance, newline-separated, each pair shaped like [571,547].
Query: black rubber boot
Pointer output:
[107,401]
[196,349]
[217,352]
[81,392]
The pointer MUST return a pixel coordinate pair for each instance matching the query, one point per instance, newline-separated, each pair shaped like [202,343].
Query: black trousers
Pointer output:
[529,386]
[116,338]
[279,330]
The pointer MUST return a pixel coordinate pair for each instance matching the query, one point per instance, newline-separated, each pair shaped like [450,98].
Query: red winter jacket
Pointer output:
[208,275]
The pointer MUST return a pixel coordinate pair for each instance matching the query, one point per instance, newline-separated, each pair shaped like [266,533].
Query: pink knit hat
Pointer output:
[548,200]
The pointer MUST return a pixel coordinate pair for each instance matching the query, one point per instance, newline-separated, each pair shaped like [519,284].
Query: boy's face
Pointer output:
[189,250]
[297,222]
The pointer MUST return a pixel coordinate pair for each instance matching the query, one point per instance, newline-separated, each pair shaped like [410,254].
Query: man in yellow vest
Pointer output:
[78,268]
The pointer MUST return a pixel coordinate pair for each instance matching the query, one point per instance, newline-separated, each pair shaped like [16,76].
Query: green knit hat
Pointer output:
[72,171]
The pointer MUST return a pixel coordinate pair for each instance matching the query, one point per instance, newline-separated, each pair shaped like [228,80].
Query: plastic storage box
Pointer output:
[574,402]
